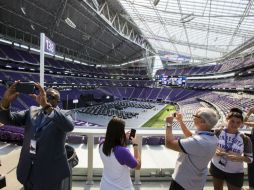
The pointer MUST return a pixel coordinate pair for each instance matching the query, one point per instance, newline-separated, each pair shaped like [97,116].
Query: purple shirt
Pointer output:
[124,157]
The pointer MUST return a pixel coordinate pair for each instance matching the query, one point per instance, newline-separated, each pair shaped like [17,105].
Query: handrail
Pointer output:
[91,132]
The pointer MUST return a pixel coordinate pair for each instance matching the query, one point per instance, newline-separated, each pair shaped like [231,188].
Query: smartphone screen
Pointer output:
[133,133]
[174,114]
[25,87]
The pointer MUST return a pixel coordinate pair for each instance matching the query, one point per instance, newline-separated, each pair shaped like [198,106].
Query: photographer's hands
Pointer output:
[231,156]
[133,139]
[41,98]
[9,95]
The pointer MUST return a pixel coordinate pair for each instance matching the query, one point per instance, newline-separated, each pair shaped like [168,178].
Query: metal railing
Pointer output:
[92,132]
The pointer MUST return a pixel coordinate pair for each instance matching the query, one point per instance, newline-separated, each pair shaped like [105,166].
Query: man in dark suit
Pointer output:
[43,162]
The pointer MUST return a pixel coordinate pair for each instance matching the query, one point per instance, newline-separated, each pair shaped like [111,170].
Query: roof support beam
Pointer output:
[200,26]
[107,14]
[246,12]
[184,43]
[185,30]
[58,18]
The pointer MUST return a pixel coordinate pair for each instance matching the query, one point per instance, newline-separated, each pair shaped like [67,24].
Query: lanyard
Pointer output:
[206,133]
[227,148]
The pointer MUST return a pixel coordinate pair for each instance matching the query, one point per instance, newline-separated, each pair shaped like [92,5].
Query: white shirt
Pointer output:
[237,148]
[191,165]
[114,176]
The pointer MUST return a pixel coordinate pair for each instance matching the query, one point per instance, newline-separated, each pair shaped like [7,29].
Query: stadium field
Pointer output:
[158,120]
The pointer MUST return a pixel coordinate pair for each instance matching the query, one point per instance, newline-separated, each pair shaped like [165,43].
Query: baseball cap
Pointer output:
[209,116]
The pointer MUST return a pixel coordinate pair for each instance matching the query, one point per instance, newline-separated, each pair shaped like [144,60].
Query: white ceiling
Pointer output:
[202,29]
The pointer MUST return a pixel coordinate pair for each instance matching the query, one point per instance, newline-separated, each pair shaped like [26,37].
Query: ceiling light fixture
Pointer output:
[86,36]
[187,18]
[32,26]
[70,22]
[155,2]
[23,9]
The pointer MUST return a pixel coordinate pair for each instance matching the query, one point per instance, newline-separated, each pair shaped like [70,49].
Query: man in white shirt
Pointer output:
[195,151]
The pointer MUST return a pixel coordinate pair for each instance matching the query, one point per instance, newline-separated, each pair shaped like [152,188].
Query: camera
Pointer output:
[223,161]
[25,87]
[132,134]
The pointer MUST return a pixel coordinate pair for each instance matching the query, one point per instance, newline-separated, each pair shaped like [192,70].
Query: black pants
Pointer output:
[30,186]
[175,186]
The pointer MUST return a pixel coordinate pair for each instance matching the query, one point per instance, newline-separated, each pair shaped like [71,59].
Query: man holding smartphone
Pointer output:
[43,162]
[195,151]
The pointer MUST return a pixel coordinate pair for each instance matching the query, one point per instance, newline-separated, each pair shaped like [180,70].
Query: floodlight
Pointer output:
[70,22]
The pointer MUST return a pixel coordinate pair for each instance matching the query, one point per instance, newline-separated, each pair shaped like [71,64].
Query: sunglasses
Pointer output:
[196,116]
[50,97]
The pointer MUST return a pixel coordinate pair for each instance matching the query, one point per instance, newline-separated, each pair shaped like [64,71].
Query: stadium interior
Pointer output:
[139,60]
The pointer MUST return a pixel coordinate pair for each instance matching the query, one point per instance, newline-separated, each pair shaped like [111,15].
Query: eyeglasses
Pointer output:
[50,97]
[196,116]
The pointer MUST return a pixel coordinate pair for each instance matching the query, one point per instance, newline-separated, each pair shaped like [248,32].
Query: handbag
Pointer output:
[2,181]
[72,156]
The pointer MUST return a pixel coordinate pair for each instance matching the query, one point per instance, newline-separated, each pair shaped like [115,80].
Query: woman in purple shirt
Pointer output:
[116,157]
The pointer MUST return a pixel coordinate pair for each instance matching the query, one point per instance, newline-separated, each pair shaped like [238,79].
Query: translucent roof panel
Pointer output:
[201,29]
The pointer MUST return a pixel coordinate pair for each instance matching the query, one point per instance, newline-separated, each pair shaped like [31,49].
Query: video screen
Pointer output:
[165,80]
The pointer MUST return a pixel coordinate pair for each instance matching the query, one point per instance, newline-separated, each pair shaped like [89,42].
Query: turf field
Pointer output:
[158,120]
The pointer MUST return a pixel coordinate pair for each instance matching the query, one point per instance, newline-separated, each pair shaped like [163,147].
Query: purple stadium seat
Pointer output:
[144,141]
[75,139]
[85,139]
[96,140]
[5,135]
[153,140]
[162,140]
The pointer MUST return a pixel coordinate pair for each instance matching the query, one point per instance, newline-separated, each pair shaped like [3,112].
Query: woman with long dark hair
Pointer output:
[233,149]
[116,157]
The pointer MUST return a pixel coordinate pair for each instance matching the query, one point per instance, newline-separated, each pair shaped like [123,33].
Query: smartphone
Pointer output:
[132,134]
[174,114]
[25,87]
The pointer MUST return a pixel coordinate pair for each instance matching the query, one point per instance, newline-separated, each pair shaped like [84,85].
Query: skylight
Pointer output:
[201,29]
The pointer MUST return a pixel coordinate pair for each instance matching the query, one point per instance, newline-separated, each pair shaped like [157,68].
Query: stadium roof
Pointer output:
[89,30]
[119,31]
[202,29]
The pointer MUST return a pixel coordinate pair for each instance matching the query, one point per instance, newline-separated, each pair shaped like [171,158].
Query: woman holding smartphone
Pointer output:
[233,149]
[116,157]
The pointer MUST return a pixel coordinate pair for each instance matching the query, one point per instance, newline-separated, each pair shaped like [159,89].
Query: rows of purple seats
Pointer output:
[8,52]
[226,101]
[12,134]
[54,79]
[225,66]
[140,93]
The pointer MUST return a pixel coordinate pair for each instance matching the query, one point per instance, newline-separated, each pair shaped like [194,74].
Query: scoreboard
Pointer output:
[165,80]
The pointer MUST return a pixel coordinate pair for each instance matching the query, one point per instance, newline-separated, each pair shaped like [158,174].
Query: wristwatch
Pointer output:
[168,125]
